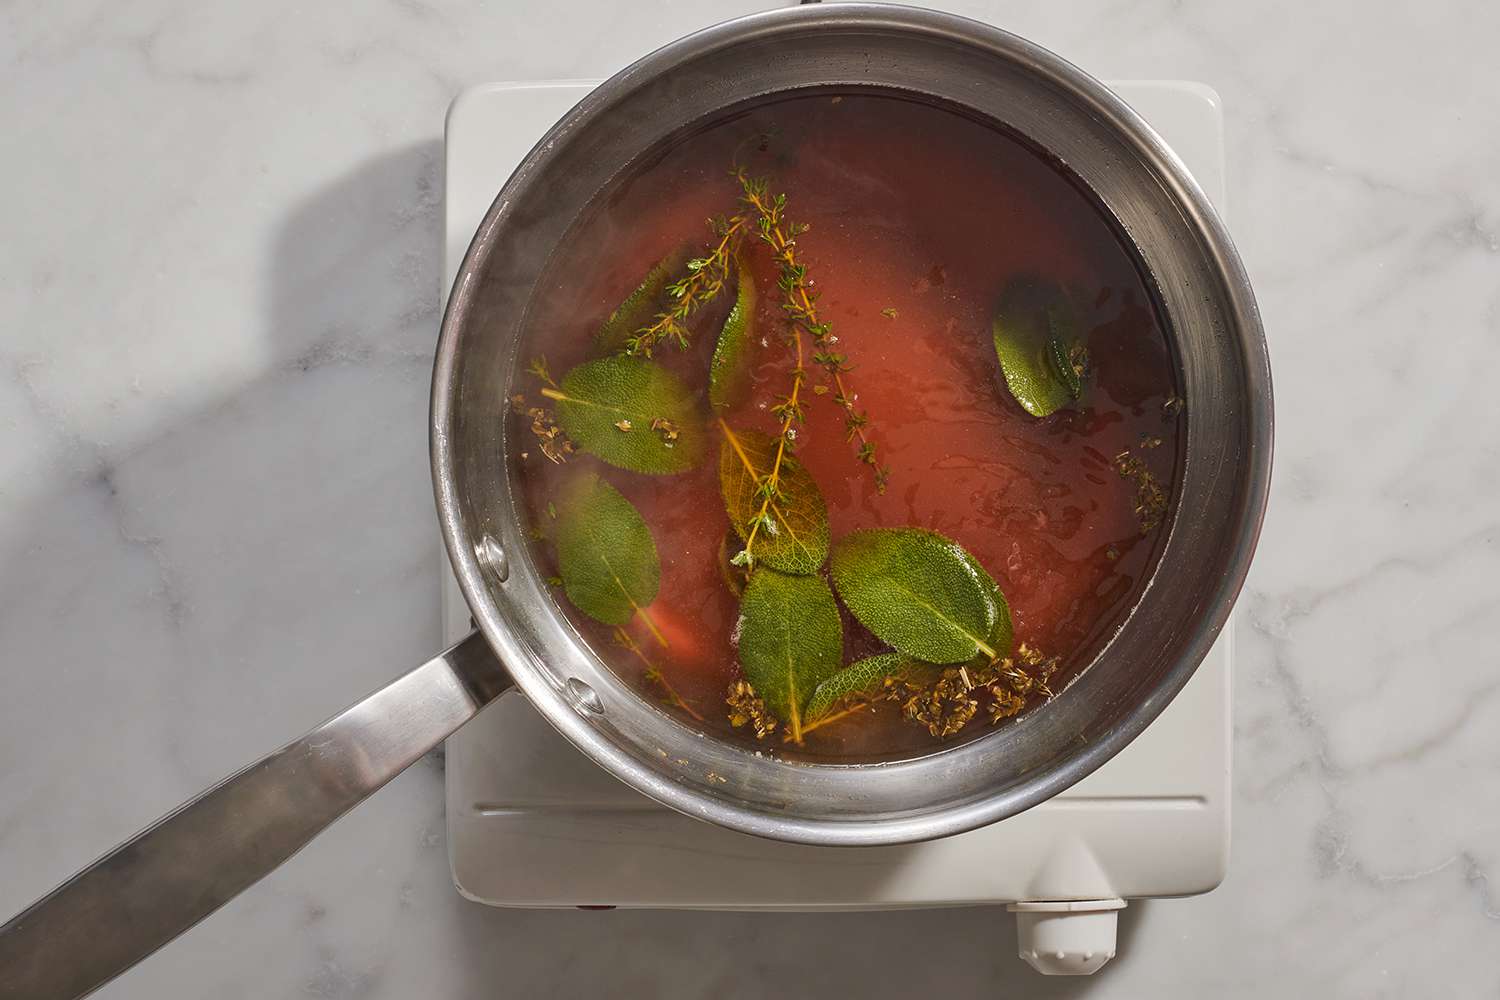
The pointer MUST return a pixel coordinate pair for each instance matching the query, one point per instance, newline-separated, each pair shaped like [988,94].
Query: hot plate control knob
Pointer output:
[1067,938]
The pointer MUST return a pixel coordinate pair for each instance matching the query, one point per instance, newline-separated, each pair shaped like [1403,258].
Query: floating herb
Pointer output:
[790,641]
[862,679]
[768,484]
[1029,671]
[701,284]
[1004,703]
[729,371]
[1001,636]
[538,367]
[605,553]
[800,304]
[1042,359]
[668,430]
[780,516]
[919,592]
[640,306]
[942,707]
[606,407]
[746,708]
[554,443]
[945,704]
[1150,498]
[654,676]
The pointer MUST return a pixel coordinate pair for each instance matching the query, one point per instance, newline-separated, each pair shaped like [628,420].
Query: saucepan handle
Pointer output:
[165,879]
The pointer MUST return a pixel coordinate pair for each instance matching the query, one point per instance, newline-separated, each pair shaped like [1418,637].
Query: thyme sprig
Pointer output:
[800,304]
[654,676]
[705,279]
[787,409]
[538,367]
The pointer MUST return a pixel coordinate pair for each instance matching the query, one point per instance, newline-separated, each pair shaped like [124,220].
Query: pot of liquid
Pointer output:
[153,887]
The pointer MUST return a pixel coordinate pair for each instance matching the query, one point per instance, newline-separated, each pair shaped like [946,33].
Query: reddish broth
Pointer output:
[919,216]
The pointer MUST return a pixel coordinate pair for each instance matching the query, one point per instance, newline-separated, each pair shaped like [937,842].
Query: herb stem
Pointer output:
[655,676]
[650,624]
[801,309]
[770,487]
[835,716]
[734,443]
[796,724]
[538,367]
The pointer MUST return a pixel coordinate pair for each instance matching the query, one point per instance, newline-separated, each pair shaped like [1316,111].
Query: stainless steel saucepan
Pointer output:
[165,879]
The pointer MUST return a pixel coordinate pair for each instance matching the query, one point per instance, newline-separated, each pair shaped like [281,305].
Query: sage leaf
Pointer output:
[919,592]
[632,413]
[793,534]
[640,306]
[1035,328]
[862,678]
[605,552]
[1002,636]
[790,640]
[729,369]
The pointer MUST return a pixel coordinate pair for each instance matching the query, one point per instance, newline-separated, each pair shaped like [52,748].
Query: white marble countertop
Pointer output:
[218,298]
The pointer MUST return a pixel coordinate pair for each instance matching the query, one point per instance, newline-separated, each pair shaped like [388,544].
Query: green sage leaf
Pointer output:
[1035,327]
[790,640]
[862,678]
[631,413]
[919,592]
[793,536]
[729,370]
[1002,636]
[605,552]
[641,306]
